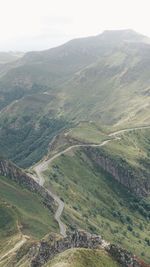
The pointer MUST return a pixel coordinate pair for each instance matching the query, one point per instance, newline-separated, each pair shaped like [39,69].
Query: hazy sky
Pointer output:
[41,24]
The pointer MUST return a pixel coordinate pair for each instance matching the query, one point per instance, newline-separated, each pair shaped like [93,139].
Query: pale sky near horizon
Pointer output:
[40,24]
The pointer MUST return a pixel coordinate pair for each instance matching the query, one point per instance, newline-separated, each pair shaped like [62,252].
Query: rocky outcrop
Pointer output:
[16,174]
[121,171]
[46,250]
[124,257]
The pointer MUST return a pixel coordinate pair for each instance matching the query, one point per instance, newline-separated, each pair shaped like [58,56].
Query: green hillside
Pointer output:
[96,202]
[114,90]
[82,258]
[34,219]
[89,132]
[29,128]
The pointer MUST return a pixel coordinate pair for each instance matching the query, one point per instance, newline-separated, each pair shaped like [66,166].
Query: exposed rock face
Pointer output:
[18,175]
[125,258]
[121,171]
[46,250]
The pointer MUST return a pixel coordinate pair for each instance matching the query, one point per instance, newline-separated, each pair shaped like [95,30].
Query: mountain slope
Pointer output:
[82,258]
[104,78]
[26,212]
[131,154]
[113,90]
[95,201]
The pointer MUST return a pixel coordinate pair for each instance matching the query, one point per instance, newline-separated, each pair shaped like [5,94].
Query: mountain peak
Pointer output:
[123,31]
[127,35]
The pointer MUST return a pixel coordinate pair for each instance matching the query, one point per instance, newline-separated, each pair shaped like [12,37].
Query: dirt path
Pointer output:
[15,248]
[42,166]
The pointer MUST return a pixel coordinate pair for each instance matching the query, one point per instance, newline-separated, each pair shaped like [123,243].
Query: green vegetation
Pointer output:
[7,220]
[21,208]
[97,203]
[82,258]
[23,141]
[88,132]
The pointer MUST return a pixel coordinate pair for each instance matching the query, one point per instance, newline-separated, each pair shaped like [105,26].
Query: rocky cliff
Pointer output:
[121,171]
[124,257]
[16,174]
[46,250]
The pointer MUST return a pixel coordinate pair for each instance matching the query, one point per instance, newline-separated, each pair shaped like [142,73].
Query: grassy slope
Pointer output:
[71,258]
[20,207]
[110,91]
[26,133]
[95,202]
[88,132]
[82,258]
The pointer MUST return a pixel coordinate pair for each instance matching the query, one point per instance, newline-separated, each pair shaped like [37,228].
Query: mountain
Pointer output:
[104,78]
[56,65]
[76,118]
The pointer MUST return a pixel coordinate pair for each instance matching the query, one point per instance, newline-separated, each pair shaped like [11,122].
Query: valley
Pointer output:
[75,154]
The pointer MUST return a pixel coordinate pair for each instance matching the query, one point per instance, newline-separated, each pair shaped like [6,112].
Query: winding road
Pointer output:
[42,166]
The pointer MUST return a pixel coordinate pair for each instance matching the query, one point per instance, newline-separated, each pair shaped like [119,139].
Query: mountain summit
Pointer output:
[127,35]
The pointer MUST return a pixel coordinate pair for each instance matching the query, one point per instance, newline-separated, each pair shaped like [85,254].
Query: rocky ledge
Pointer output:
[124,257]
[47,249]
[121,171]
[53,244]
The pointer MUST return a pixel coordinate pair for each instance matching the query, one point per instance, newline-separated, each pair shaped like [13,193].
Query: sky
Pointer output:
[27,25]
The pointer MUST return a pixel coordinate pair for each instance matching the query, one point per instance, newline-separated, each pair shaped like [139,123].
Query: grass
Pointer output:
[97,203]
[26,133]
[7,220]
[82,258]
[79,257]
[88,132]
[19,206]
